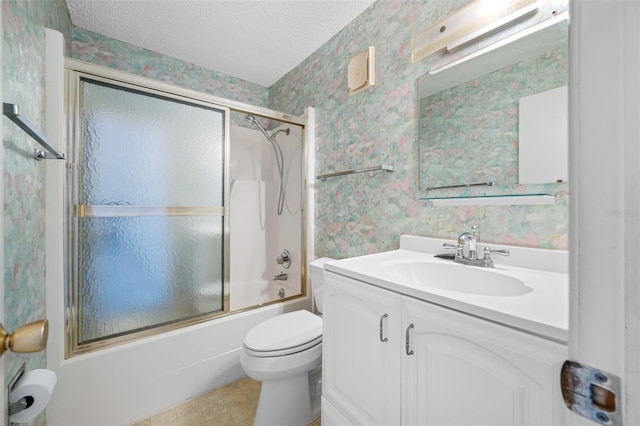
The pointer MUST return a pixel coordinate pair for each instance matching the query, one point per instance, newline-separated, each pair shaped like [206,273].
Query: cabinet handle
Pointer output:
[409,352]
[382,338]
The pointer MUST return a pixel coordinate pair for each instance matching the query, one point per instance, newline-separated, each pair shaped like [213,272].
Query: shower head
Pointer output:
[252,120]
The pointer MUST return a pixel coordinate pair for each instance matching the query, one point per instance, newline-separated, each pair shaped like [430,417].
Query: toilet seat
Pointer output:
[284,334]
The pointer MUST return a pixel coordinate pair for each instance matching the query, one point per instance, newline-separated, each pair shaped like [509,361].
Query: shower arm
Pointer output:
[285,131]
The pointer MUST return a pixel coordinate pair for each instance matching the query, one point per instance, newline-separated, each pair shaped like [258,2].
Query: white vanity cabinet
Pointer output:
[437,366]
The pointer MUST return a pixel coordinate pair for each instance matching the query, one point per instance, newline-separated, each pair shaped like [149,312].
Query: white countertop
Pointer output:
[543,311]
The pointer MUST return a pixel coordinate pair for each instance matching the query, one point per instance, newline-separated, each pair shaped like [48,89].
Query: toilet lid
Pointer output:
[287,333]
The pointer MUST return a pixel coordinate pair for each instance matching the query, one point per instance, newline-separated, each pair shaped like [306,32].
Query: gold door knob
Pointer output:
[29,338]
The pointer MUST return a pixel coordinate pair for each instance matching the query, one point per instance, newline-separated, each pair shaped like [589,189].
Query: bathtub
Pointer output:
[130,382]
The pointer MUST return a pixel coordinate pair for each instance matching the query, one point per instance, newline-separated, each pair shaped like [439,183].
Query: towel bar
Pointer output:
[385,167]
[13,112]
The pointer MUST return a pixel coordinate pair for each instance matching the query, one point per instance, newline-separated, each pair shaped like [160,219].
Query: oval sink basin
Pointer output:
[454,277]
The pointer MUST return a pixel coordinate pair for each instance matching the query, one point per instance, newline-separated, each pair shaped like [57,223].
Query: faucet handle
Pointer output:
[488,251]
[284,259]
[458,247]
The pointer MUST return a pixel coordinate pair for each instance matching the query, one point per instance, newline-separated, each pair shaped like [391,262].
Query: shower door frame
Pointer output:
[74,71]
[75,212]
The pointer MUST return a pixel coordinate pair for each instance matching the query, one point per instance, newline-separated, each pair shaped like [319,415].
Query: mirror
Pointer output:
[470,114]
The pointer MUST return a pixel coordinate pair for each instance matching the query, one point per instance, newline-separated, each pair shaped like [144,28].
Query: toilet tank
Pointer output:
[315,269]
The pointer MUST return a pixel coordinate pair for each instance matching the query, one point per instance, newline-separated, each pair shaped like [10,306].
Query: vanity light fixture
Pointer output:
[496,26]
[479,19]
[531,41]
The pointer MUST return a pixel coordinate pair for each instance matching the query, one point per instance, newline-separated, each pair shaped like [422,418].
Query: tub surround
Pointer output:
[258,233]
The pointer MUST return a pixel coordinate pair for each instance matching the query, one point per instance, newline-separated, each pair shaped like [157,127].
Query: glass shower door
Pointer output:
[148,222]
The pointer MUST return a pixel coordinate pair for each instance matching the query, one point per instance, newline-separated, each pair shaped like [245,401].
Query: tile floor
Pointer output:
[232,405]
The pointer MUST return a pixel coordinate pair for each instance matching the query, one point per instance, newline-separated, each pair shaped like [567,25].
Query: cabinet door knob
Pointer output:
[382,338]
[409,352]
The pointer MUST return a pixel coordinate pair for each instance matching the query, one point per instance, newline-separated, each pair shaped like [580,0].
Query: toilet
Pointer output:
[285,354]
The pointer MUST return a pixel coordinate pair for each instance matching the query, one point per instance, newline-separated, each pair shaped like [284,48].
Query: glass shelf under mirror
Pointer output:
[491,200]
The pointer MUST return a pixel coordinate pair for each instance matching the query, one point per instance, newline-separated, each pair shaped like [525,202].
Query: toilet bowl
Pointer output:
[285,354]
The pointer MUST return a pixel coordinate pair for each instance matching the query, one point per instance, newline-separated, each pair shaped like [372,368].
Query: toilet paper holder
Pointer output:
[29,338]
[28,394]
[21,404]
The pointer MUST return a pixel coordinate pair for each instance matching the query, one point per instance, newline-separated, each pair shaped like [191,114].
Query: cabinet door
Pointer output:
[361,366]
[468,371]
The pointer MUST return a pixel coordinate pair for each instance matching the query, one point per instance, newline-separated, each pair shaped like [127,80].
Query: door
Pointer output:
[3,401]
[604,181]
[146,211]
[361,351]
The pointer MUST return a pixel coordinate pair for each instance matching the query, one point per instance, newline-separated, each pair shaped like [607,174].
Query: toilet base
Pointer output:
[286,402]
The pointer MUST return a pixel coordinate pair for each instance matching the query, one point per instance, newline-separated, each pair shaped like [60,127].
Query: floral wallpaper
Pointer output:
[23,74]
[92,47]
[366,213]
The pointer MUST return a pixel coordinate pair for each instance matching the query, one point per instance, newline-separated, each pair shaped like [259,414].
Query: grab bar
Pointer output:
[385,167]
[13,112]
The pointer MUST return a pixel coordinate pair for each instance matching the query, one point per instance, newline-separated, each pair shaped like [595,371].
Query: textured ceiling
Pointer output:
[255,40]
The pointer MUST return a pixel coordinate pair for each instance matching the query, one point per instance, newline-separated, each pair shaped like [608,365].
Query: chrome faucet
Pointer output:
[280,277]
[467,237]
[472,258]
